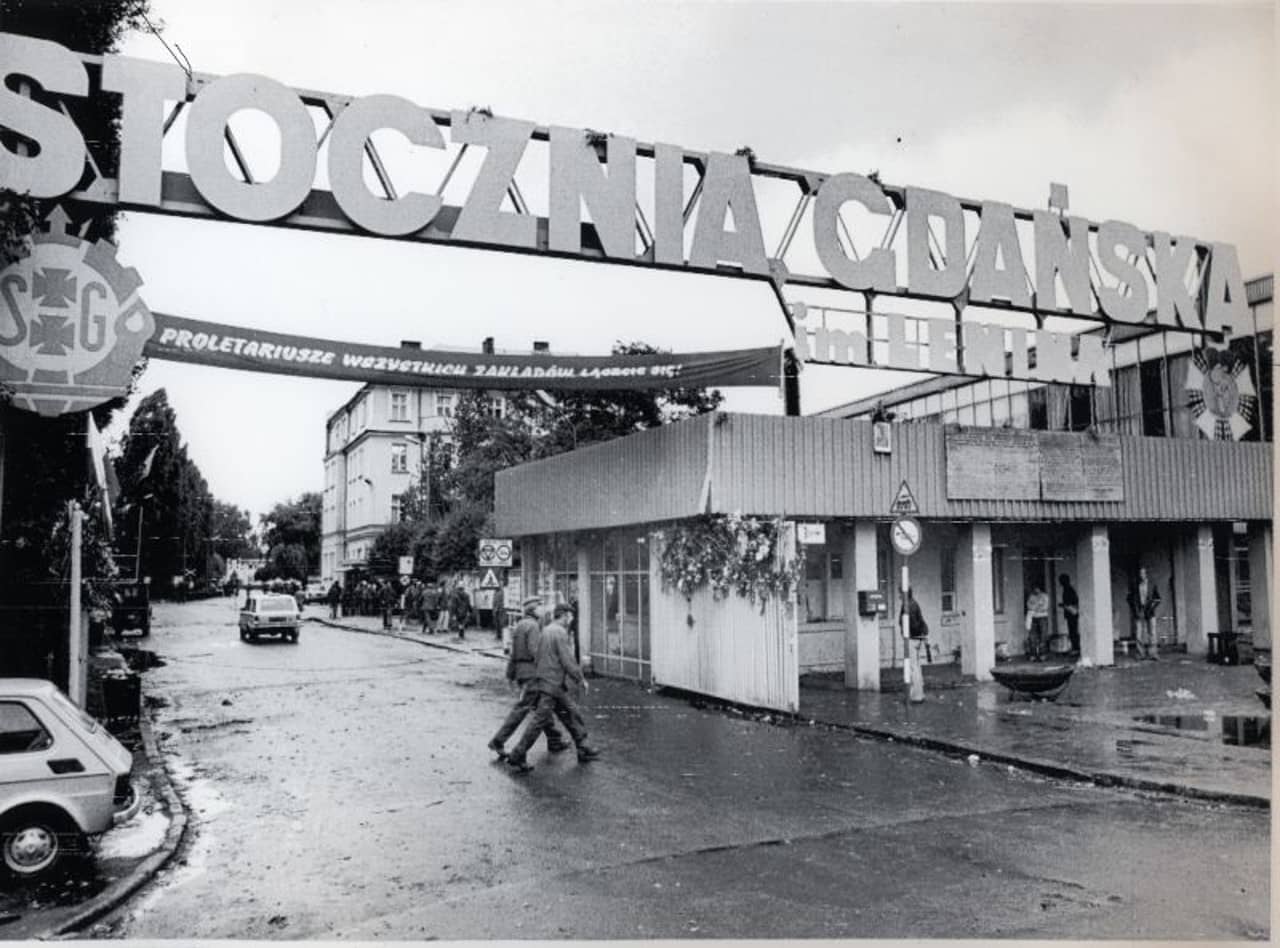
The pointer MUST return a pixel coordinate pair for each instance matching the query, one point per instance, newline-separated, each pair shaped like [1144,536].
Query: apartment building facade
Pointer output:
[376,446]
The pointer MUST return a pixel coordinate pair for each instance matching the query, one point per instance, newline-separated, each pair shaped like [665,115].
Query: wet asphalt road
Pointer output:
[339,788]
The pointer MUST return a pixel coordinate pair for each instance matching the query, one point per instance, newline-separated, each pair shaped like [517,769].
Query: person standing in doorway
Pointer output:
[1069,601]
[553,671]
[1144,600]
[1037,623]
[917,638]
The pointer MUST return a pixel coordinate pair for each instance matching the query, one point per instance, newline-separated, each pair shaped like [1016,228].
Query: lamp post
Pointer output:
[137,557]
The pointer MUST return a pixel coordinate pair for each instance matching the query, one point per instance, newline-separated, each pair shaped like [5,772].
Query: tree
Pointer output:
[95,27]
[574,419]
[537,426]
[34,588]
[232,532]
[291,532]
[164,494]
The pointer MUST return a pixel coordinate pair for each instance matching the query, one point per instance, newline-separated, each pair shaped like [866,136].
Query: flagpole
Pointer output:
[137,559]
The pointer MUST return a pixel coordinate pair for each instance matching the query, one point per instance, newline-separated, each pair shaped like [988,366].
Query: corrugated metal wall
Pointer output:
[731,651]
[649,477]
[825,467]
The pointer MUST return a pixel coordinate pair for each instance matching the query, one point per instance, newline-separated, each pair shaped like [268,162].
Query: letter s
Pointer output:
[58,163]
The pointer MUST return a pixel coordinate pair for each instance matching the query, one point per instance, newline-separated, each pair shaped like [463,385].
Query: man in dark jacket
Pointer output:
[335,598]
[460,610]
[521,666]
[552,672]
[387,599]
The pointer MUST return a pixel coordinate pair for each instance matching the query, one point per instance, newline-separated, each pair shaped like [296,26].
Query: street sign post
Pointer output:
[495,553]
[490,580]
[905,535]
[904,502]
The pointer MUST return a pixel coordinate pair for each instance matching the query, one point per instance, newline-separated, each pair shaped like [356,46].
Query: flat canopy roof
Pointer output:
[826,468]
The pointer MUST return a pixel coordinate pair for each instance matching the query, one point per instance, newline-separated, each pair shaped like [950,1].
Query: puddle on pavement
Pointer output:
[1238,730]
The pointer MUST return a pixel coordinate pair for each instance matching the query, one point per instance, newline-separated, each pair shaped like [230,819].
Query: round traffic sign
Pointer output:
[906,534]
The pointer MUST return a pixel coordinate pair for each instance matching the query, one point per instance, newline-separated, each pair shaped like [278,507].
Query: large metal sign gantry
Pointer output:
[650,205]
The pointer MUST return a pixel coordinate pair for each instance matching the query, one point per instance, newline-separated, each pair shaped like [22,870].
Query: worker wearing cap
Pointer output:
[555,667]
[521,666]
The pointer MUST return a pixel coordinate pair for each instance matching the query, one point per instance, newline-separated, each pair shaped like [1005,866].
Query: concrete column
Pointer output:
[1203,597]
[977,602]
[861,633]
[1261,579]
[584,604]
[1093,580]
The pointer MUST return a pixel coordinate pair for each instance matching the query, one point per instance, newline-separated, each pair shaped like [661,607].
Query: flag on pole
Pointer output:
[146,465]
[97,458]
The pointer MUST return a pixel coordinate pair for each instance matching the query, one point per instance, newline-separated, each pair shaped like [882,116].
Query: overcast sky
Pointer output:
[1162,116]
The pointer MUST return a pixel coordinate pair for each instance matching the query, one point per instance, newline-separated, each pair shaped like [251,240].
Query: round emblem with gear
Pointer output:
[72,325]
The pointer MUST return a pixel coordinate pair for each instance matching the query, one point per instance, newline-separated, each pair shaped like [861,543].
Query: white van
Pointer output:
[62,778]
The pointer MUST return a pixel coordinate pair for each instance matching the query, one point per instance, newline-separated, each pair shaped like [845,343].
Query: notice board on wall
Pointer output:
[1080,467]
[992,464]
[1007,464]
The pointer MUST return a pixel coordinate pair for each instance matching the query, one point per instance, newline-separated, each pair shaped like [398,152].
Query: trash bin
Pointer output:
[1222,648]
[121,698]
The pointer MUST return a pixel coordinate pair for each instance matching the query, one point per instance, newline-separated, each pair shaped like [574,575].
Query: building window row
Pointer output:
[1151,398]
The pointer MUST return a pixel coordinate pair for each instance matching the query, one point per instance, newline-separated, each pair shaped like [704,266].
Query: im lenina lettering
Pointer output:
[978,349]
[727,229]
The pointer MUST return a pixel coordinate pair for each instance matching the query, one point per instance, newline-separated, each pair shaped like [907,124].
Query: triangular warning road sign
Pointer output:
[904,502]
[490,580]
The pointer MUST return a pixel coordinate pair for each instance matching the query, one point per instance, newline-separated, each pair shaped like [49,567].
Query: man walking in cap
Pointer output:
[521,665]
[555,666]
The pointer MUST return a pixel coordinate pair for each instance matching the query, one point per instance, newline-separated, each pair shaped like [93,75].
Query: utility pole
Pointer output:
[76,644]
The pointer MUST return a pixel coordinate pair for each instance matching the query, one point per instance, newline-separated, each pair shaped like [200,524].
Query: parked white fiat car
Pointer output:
[63,778]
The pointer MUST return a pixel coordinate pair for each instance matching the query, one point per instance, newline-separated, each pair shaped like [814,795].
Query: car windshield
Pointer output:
[277,604]
[65,705]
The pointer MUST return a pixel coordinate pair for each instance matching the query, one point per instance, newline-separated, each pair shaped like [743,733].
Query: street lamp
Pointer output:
[424,468]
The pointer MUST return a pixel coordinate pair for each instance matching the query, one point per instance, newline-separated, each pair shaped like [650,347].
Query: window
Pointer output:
[399,459]
[397,508]
[20,732]
[997,580]
[399,406]
[1151,383]
[1081,407]
[948,580]
[822,595]
[444,404]
[1038,408]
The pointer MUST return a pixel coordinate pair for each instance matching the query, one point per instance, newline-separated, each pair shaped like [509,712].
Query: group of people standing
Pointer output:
[439,607]
[541,666]
[1144,602]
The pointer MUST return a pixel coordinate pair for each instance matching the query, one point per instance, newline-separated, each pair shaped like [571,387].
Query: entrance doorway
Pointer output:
[1040,568]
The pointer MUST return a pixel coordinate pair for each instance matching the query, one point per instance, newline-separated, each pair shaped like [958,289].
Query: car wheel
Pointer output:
[32,846]
[293,637]
[244,636]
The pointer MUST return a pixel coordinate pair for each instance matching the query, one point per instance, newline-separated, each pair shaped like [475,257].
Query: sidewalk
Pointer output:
[478,641]
[1180,725]
[1205,733]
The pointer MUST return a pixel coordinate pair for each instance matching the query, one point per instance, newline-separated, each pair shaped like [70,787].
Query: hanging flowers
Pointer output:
[728,553]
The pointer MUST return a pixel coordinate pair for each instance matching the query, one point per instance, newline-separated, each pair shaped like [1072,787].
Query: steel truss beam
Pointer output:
[319,212]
